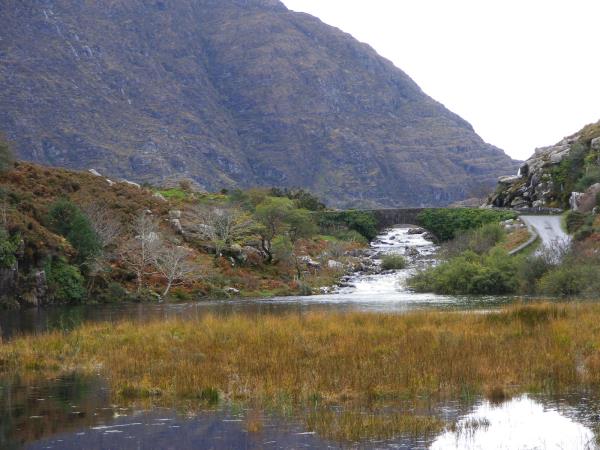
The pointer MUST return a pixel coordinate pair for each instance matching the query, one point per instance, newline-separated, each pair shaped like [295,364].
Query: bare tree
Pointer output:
[108,230]
[141,250]
[105,225]
[221,226]
[173,263]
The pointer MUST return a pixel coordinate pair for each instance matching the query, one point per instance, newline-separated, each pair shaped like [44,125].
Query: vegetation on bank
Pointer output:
[445,223]
[360,361]
[477,262]
[72,237]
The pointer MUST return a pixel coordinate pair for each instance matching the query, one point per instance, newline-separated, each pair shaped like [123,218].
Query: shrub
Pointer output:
[573,221]
[393,262]
[592,176]
[351,236]
[362,222]
[470,273]
[446,222]
[65,282]
[68,220]
[478,240]
[569,280]
[8,249]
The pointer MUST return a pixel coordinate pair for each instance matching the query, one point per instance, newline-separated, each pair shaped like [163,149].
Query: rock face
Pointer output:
[228,93]
[547,178]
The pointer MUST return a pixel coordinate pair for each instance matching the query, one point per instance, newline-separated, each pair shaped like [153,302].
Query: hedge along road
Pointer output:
[549,230]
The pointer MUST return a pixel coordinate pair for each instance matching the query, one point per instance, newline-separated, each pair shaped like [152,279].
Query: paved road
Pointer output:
[548,228]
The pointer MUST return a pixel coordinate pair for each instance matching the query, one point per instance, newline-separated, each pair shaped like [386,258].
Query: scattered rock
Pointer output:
[174,214]
[159,196]
[335,264]
[176,224]
[131,183]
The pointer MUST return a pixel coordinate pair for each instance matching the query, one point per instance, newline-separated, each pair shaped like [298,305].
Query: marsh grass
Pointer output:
[357,361]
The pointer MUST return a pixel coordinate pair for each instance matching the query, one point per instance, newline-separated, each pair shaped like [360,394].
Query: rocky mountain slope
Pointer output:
[228,93]
[565,175]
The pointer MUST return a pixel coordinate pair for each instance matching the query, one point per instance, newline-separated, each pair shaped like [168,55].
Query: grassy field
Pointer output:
[358,360]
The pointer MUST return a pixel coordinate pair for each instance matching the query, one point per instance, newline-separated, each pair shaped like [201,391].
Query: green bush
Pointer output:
[69,221]
[393,262]
[65,282]
[362,222]
[574,220]
[8,249]
[351,236]
[592,176]
[569,280]
[479,240]
[445,223]
[470,273]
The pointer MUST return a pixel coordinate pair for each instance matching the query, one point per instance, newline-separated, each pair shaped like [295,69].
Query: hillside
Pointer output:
[559,176]
[75,237]
[228,93]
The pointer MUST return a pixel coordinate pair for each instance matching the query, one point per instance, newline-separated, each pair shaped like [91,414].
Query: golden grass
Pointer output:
[333,356]
[358,360]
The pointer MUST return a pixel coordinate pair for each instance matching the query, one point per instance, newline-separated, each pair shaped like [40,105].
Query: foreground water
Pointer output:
[76,412]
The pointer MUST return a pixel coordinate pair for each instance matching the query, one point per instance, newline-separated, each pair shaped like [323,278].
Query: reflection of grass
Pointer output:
[352,360]
[356,425]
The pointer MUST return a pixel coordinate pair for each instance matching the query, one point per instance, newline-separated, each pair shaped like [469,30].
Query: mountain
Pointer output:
[228,93]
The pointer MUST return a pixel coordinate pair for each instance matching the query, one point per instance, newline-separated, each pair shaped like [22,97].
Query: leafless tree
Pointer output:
[220,226]
[173,263]
[108,229]
[140,251]
[104,223]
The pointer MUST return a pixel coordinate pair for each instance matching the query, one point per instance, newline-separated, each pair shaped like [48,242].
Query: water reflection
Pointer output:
[76,412]
[522,423]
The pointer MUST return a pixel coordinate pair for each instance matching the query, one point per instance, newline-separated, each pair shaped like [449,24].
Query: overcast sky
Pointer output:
[524,73]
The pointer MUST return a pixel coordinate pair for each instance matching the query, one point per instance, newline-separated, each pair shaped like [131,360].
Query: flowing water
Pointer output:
[76,412]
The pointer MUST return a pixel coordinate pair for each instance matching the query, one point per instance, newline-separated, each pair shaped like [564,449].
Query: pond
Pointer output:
[76,412]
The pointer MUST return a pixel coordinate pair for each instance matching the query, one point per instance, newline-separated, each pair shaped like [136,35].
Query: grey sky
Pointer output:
[525,73]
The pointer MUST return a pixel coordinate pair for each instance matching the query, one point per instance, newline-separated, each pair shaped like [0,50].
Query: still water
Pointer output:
[76,412]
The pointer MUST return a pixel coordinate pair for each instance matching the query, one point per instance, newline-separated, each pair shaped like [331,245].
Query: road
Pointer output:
[548,228]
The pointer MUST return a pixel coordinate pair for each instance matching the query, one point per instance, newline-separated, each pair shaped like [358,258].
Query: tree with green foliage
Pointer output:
[66,219]
[362,222]
[272,214]
[7,156]
[9,245]
[65,282]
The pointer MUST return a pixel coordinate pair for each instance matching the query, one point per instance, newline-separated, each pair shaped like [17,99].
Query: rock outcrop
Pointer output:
[228,93]
[550,178]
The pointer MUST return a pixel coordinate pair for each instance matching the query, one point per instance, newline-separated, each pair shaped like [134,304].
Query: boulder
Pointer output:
[585,202]
[231,291]
[174,214]
[416,231]
[509,179]
[159,196]
[335,265]
[94,172]
[176,224]
[595,144]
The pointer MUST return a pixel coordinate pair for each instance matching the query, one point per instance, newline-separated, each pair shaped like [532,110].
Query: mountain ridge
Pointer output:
[229,93]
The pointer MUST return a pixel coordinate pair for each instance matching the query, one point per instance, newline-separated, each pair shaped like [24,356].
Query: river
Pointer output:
[76,412]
